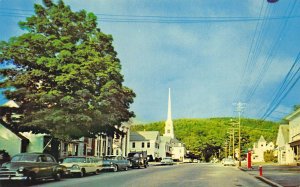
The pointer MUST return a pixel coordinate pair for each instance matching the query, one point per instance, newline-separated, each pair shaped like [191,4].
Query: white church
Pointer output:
[159,146]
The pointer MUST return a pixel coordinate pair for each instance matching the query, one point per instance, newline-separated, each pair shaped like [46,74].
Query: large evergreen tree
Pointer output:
[65,74]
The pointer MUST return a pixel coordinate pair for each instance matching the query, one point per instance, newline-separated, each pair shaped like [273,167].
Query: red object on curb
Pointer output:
[260,171]
[249,166]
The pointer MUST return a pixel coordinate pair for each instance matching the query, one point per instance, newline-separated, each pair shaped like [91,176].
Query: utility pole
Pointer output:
[229,146]
[239,108]
[226,149]
[233,144]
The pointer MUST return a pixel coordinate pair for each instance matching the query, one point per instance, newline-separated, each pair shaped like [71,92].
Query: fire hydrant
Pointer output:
[260,171]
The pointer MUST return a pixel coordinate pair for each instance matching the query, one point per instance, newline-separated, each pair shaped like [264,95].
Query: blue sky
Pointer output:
[203,62]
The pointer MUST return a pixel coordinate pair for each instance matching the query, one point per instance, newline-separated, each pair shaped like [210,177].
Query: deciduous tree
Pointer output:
[65,75]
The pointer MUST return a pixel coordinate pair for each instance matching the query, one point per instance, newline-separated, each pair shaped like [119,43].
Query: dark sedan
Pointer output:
[30,167]
[115,163]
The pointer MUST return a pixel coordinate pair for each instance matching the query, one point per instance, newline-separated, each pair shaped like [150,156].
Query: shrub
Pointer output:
[269,156]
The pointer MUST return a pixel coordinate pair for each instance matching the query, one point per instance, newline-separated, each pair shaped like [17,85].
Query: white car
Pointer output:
[80,166]
[167,161]
[228,162]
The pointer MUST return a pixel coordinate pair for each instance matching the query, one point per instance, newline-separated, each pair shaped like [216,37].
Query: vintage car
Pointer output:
[80,166]
[228,162]
[115,163]
[167,161]
[138,159]
[30,167]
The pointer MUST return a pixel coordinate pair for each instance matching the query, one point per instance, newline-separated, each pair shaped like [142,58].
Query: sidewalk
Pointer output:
[276,175]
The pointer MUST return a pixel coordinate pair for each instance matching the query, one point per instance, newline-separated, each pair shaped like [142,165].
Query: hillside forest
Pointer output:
[208,138]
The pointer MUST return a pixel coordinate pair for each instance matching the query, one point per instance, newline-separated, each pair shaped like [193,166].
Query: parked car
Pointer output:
[228,162]
[80,166]
[138,159]
[167,161]
[30,167]
[115,163]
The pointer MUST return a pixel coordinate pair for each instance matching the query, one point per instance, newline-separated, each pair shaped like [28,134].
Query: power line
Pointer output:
[274,48]
[248,56]
[285,87]
[162,19]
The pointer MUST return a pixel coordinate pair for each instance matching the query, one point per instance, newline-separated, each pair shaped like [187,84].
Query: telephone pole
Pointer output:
[229,145]
[233,144]
[239,108]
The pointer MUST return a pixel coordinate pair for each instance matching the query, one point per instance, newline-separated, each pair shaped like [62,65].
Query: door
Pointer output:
[51,165]
[42,166]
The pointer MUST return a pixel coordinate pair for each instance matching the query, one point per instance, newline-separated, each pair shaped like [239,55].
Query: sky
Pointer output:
[211,53]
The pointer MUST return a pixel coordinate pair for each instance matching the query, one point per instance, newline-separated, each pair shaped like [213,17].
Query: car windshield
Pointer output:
[24,158]
[110,158]
[134,155]
[74,159]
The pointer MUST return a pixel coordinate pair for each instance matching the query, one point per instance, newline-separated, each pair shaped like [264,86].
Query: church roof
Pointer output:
[261,139]
[143,135]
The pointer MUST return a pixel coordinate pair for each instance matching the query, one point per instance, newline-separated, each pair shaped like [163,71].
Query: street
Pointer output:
[177,175]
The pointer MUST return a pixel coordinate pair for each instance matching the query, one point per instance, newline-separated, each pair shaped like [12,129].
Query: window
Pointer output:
[42,158]
[143,144]
[168,131]
[49,159]
[148,144]
[133,144]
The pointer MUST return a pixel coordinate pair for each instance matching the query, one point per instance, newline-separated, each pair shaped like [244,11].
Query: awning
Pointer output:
[295,143]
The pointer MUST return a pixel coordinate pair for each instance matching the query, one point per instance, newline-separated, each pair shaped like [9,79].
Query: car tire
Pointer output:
[97,171]
[57,176]
[82,173]
[115,169]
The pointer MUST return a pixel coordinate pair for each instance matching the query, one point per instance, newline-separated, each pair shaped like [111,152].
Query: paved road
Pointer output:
[178,175]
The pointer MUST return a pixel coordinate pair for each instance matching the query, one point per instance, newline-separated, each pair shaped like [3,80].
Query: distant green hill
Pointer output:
[207,137]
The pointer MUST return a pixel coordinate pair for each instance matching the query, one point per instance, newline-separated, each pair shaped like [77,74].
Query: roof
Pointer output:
[293,115]
[11,104]
[143,135]
[261,139]
[4,124]
[284,130]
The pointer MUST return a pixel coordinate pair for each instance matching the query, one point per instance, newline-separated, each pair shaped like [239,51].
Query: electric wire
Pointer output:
[270,56]
[246,67]
[288,83]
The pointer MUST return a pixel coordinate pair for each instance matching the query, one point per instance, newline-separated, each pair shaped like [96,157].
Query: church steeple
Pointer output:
[169,106]
[169,130]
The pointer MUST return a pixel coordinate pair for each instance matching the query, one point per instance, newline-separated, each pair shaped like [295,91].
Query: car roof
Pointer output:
[32,154]
[81,157]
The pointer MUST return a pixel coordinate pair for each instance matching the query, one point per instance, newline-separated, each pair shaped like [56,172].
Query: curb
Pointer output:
[268,181]
[263,179]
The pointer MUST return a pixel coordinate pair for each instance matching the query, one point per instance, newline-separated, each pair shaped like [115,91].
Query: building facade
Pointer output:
[285,153]
[294,135]
[101,145]
[145,141]
[259,148]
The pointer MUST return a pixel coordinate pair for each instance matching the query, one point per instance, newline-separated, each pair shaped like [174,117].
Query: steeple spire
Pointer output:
[169,106]
[169,129]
